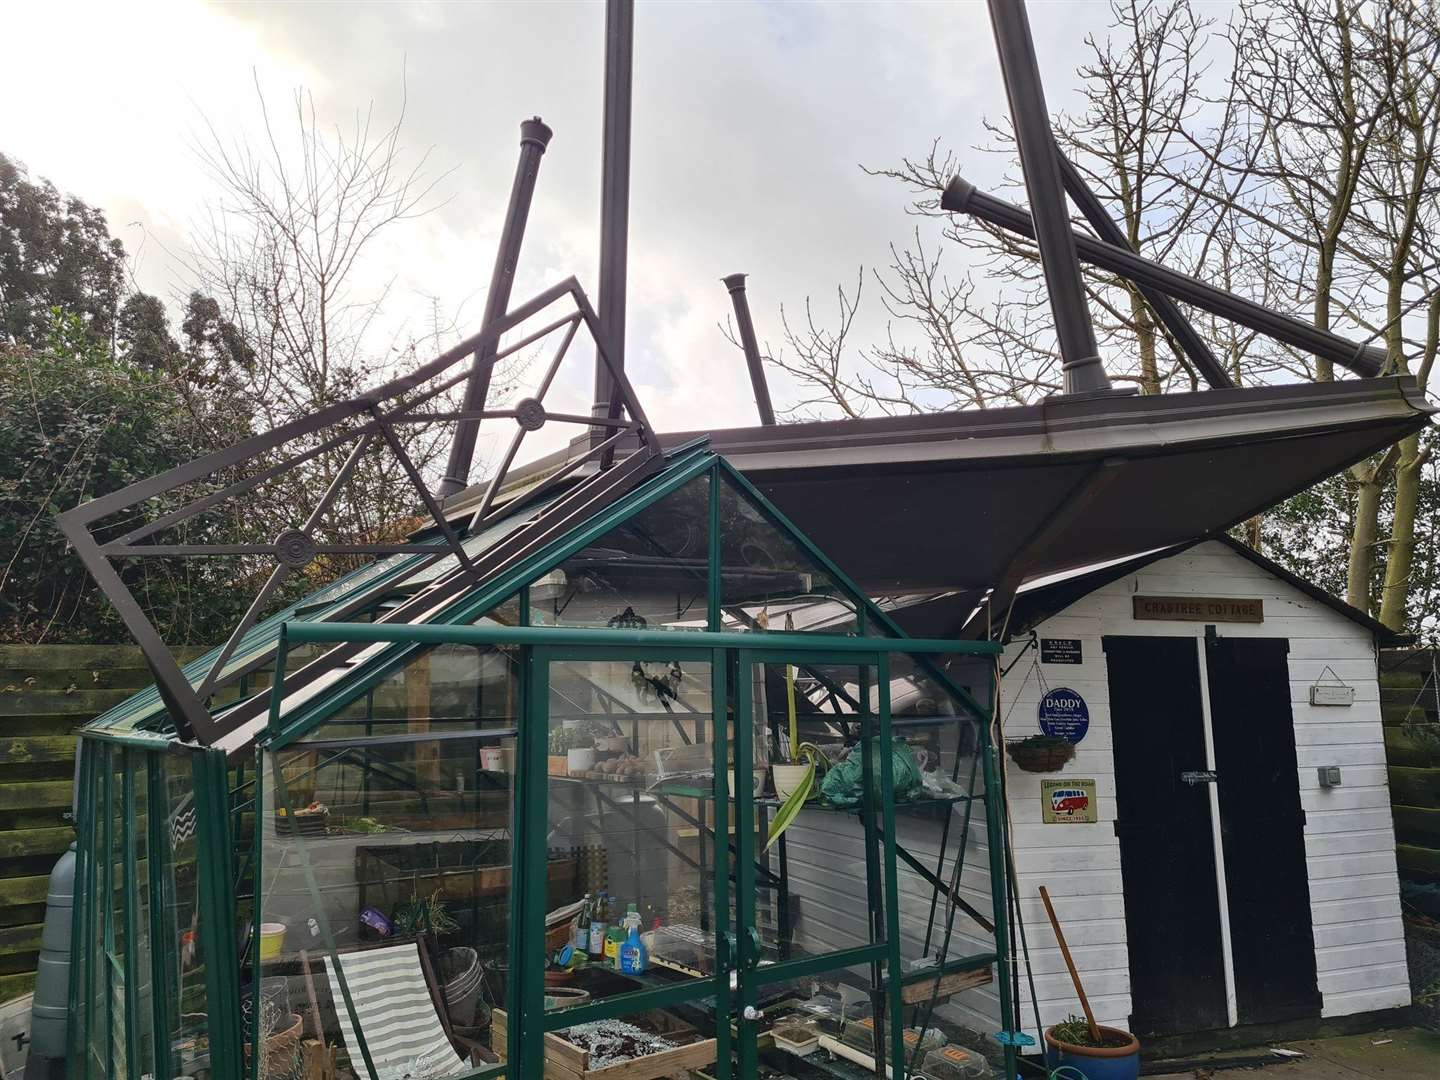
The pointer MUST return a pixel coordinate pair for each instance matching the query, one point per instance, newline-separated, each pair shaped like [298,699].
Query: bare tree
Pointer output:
[1402,210]
[983,336]
[1301,175]
[1344,99]
[287,252]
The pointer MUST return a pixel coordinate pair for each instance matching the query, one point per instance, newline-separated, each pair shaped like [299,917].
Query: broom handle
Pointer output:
[1069,963]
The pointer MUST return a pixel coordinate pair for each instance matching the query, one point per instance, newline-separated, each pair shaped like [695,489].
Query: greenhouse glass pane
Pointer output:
[631,775]
[826,897]
[183,964]
[97,996]
[387,833]
[443,689]
[769,582]
[943,733]
[648,573]
[137,830]
[115,936]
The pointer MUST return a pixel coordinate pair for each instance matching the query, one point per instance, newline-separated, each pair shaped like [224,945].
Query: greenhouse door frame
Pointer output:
[883,928]
[738,945]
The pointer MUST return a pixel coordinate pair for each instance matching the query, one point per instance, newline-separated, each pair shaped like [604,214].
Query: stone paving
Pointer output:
[1395,1054]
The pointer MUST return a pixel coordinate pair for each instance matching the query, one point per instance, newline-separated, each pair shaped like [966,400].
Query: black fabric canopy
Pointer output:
[978,501]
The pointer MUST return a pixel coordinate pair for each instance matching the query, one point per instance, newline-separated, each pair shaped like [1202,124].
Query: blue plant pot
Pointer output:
[1095,1062]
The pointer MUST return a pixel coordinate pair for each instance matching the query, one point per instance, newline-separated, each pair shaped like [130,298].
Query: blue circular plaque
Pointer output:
[1063,713]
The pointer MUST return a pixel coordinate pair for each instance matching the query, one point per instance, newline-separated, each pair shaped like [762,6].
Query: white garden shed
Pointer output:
[1220,850]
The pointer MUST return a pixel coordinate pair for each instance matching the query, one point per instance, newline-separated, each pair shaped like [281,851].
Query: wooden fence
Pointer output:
[1411,711]
[46,692]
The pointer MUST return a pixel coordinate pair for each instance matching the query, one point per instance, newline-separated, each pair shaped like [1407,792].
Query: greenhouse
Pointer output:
[654,791]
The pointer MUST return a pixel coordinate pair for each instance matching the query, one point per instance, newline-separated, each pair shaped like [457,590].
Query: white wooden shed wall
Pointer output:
[1349,835]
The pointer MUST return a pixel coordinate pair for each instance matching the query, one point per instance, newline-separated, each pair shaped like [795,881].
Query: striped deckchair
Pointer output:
[396,1013]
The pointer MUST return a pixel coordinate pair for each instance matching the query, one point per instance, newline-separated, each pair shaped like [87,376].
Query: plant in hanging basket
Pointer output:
[1040,753]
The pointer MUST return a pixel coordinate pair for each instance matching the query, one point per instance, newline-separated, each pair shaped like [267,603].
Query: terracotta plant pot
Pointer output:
[1097,1062]
[280,1047]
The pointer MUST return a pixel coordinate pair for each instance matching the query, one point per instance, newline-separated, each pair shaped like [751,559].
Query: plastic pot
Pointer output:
[787,778]
[461,970]
[1097,1062]
[272,940]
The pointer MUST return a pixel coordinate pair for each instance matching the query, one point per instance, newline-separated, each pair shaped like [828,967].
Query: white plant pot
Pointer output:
[787,778]
[577,761]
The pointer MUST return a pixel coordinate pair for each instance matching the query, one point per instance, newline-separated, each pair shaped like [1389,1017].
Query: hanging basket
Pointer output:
[1040,753]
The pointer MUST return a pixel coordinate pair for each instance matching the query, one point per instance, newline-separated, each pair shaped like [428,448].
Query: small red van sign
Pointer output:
[1068,802]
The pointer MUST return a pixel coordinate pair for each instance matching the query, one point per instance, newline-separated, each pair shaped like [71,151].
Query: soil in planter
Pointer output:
[1076,1032]
[610,1042]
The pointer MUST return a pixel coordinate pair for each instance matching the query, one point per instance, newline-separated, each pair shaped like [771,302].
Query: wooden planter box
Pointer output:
[566,1061]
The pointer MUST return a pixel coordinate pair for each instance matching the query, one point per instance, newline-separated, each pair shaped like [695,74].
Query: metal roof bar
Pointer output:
[534,138]
[1166,310]
[614,197]
[1080,356]
[961,196]
[746,326]
[452,634]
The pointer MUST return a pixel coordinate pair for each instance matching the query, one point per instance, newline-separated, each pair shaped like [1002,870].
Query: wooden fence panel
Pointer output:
[1410,703]
[46,692]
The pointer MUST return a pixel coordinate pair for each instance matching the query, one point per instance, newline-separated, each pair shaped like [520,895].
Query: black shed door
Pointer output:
[1167,851]
[1261,825]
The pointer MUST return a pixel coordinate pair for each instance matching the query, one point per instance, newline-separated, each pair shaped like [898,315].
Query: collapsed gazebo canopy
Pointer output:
[978,501]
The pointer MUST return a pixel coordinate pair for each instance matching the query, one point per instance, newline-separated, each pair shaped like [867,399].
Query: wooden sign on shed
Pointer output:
[1212,609]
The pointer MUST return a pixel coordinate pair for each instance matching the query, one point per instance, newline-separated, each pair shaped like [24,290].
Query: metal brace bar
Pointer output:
[935,883]
[690,819]
[429,500]
[278,574]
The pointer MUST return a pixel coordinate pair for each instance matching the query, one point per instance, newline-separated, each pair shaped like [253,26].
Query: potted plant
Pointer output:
[1040,753]
[563,746]
[813,764]
[789,773]
[282,1030]
[424,915]
[1115,1055]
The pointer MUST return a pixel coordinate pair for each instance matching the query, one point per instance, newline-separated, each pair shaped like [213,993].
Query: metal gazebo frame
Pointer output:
[358,423]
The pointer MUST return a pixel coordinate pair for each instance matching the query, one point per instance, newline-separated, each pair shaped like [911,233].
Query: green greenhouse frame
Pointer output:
[185,848]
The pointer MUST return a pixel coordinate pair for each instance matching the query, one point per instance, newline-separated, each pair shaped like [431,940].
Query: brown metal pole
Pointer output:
[962,197]
[1069,963]
[1166,310]
[1080,356]
[534,138]
[736,284]
[614,198]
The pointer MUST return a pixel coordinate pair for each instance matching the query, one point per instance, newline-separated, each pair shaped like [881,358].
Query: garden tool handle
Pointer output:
[1069,963]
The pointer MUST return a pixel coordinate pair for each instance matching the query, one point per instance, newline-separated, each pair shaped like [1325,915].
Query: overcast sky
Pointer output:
[750,123]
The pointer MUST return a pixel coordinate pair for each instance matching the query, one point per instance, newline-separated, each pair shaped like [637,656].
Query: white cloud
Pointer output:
[750,122]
